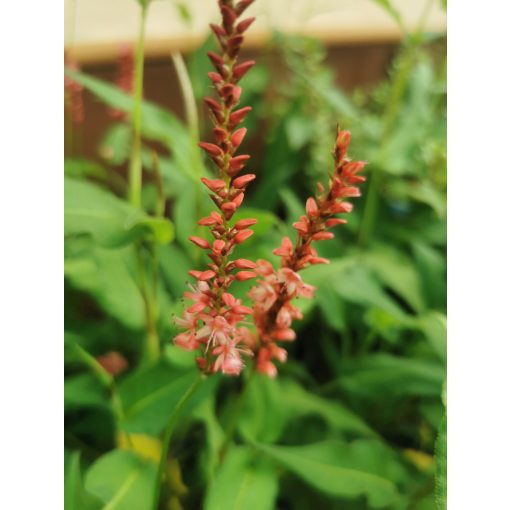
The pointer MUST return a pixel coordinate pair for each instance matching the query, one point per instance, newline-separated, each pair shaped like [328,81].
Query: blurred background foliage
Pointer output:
[352,421]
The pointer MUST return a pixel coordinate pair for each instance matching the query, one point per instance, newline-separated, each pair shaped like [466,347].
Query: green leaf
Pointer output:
[108,276]
[157,124]
[433,325]
[150,395]
[361,468]
[387,375]
[441,455]
[84,390]
[300,402]
[112,222]
[243,483]
[116,144]
[75,495]
[122,480]
[397,272]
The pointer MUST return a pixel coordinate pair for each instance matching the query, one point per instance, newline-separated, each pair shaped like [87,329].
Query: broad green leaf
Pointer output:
[112,222]
[397,272]
[84,390]
[354,470]
[433,325]
[75,495]
[300,402]
[109,277]
[81,168]
[262,417]
[244,482]
[116,144]
[149,396]
[122,480]
[441,462]
[387,375]
[157,124]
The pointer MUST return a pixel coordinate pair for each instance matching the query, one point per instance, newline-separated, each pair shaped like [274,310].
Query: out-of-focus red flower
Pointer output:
[125,76]
[113,362]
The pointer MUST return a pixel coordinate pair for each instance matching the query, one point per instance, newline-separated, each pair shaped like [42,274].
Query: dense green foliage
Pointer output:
[352,420]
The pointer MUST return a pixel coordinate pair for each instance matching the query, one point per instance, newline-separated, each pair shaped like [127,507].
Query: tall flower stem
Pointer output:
[135,167]
[168,435]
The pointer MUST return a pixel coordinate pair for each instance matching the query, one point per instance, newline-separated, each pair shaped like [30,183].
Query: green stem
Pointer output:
[135,167]
[168,435]
[151,353]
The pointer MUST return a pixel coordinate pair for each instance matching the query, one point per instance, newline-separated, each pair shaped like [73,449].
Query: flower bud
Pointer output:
[211,149]
[323,236]
[243,25]
[242,224]
[244,264]
[241,69]
[241,182]
[202,275]
[245,275]
[237,137]
[311,208]
[202,243]
[240,237]
[213,184]
[342,144]
[239,115]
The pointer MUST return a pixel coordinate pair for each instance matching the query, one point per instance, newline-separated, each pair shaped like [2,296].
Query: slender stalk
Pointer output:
[168,435]
[135,167]
[187,93]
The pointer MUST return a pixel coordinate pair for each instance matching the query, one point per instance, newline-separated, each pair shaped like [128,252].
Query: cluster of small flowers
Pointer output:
[125,76]
[74,94]
[273,312]
[211,323]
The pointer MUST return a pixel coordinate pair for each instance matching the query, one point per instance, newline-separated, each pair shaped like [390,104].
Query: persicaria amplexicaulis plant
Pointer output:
[215,323]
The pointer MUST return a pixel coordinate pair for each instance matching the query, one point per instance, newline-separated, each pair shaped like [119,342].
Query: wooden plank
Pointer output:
[94,29]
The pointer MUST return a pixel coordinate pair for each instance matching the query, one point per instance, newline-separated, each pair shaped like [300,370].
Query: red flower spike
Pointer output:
[202,243]
[241,182]
[211,320]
